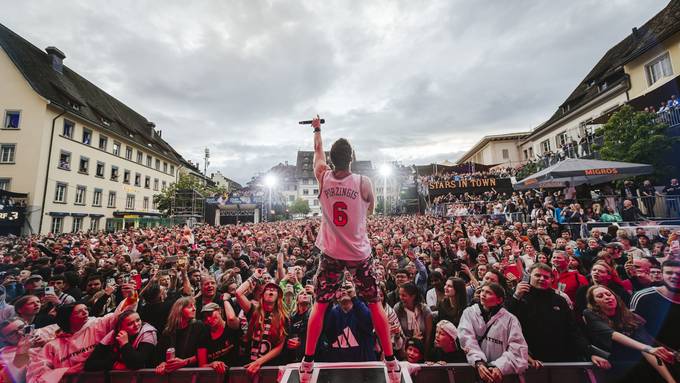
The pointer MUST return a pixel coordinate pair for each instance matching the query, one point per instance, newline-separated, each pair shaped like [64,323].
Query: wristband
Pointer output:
[317,130]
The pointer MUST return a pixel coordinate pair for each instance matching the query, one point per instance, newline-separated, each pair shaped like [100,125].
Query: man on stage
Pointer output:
[346,199]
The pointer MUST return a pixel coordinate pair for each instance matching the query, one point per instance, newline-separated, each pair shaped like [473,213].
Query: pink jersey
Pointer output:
[343,218]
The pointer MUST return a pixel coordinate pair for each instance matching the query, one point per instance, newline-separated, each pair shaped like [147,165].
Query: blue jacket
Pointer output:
[350,335]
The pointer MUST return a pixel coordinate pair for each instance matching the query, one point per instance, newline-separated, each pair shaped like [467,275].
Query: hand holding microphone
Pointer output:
[316,123]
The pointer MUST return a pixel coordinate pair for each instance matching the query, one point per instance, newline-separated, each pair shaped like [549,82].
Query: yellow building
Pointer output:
[82,156]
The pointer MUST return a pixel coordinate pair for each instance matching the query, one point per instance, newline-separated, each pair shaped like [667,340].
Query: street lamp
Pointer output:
[269,182]
[385,171]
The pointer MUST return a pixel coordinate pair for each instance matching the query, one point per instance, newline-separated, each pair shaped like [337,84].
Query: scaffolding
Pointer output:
[188,206]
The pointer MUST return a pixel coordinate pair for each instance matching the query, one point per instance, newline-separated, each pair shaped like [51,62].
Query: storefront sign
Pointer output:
[473,186]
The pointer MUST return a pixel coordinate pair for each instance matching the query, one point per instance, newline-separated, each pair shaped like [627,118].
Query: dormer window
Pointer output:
[602,87]
[105,122]
[74,105]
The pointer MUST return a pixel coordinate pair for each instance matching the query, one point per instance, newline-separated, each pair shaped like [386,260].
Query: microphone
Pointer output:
[309,122]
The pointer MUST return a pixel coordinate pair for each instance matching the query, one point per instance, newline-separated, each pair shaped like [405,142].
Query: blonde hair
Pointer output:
[278,329]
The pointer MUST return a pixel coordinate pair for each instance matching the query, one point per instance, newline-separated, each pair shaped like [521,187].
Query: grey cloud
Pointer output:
[399,78]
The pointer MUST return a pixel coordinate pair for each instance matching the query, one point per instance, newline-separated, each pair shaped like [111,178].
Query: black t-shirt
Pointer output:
[218,349]
[186,341]
[662,315]
[260,345]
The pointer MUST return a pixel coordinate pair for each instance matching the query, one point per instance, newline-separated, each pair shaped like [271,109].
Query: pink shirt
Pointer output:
[343,218]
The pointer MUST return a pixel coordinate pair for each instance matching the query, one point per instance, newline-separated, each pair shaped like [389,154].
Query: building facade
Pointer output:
[83,157]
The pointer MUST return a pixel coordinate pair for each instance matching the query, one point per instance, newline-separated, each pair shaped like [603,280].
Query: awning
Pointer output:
[58,214]
[6,193]
[138,214]
[78,214]
[581,171]
[96,215]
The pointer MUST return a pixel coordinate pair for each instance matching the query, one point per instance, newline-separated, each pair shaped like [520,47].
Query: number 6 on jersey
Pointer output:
[339,215]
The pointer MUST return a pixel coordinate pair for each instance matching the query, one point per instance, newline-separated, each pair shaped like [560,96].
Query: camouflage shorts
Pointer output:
[329,278]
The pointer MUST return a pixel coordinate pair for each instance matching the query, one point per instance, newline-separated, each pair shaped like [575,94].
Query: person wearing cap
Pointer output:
[415,353]
[492,337]
[446,348]
[267,322]
[223,341]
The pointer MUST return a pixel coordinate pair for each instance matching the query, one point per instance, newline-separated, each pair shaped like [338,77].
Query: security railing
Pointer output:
[451,373]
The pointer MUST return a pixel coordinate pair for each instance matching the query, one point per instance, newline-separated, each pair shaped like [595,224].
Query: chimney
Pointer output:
[56,58]
[635,32]
[151,127]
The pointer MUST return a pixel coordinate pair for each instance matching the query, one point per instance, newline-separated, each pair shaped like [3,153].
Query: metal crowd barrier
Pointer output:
[451,373]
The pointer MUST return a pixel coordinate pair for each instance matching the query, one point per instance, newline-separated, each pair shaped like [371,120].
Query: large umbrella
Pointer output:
[581,171]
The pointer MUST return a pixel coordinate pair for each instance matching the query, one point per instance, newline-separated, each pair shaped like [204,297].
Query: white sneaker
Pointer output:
[305,370]
[393,370]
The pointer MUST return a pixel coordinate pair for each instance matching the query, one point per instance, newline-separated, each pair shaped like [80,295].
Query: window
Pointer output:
[97,197]
[315,192]
[526,154]
[80,195]
[155,184]
[158,164]
[103,142]
[11,119]
[77,224]
[658,68]
[112,199]
[138,179]
[305,191]
[114,173]
[4,183]
[84,165]
[140,157]
[60,192]
[7,152]
[87,136]
[163,185]
[545,146]
[561,139]
[531,152]
[130,201]
[165,167]
[146,203]
[506,154]
[105,121]
[116,148]
[69,127]
[147,182]
[57,225]
[64,160]
[128,153]
[315,202]
[100,170]
[94,223]
[172,170]
[126,177]
[148,160]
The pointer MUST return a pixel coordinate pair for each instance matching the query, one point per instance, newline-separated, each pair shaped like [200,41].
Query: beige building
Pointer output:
[496,149]
[82,156]
[641,70]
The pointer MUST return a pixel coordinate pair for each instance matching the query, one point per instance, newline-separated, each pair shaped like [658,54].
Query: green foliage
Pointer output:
[299,206]
[632,136]
[164,198]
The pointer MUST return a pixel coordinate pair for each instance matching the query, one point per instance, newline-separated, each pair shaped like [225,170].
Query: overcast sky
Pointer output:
[416,81]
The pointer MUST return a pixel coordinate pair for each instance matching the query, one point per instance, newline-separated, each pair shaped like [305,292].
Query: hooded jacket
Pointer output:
[70,350]
[498,342]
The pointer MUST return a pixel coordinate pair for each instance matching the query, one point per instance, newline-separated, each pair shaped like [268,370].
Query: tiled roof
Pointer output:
[68,88]
[609,69]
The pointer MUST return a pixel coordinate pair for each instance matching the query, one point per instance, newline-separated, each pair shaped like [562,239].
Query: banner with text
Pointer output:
[471,186]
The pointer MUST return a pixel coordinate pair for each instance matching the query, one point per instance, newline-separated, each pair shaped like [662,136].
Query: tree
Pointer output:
[632,136]
[300,206]
[163,200]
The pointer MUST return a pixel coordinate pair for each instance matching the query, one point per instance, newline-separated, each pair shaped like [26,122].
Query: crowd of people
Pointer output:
[503,297]
[632,203]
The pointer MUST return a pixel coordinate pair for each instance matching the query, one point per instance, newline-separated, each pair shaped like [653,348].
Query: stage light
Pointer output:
[270,180]
[385,170]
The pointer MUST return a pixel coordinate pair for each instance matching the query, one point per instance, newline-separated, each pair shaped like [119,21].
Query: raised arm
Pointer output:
[320,165]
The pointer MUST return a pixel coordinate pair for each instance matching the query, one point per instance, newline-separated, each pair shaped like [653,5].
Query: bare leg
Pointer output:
[314,327]
[382,327]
